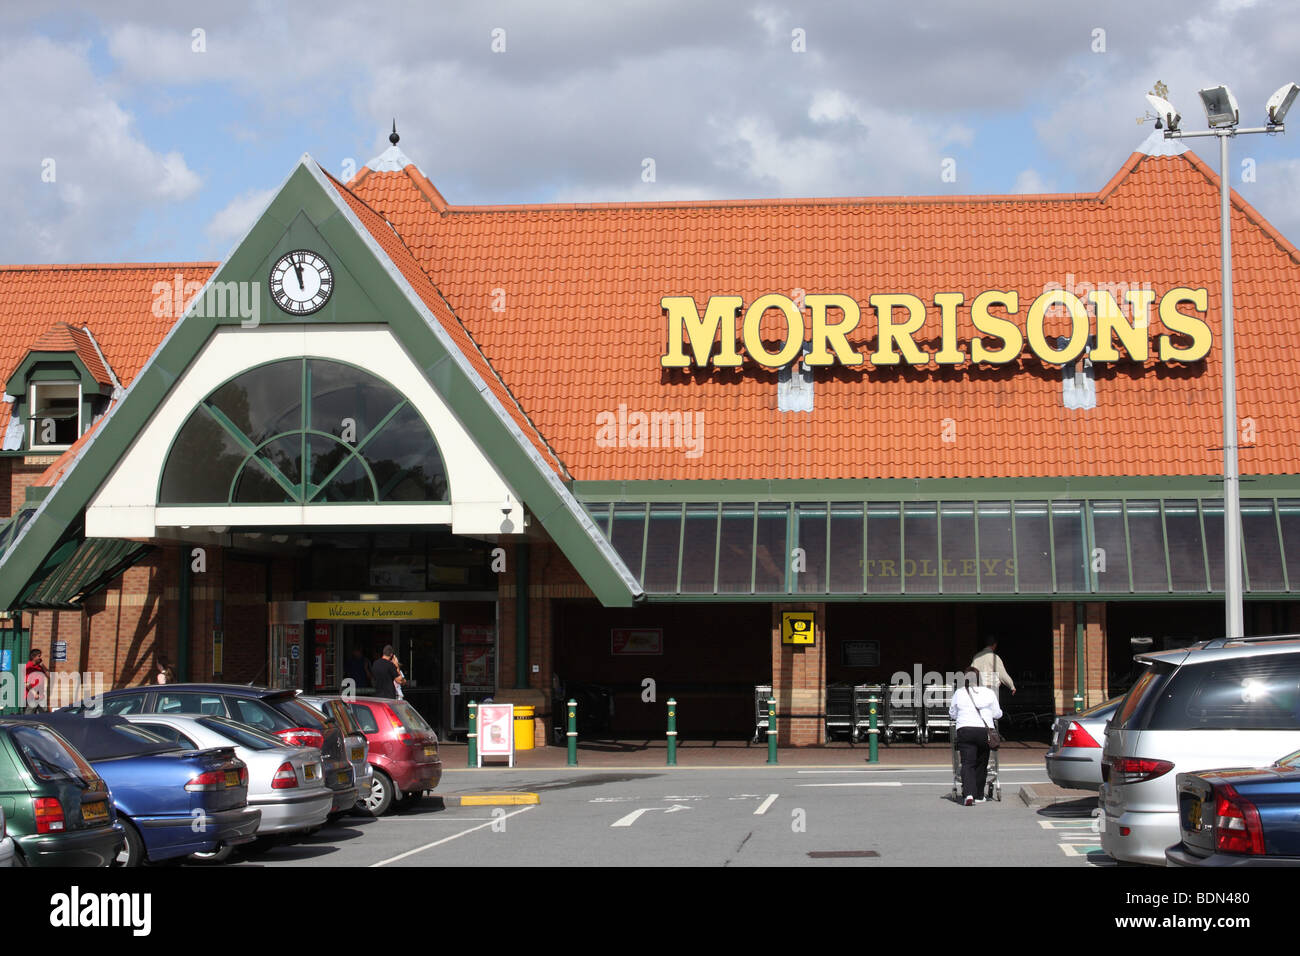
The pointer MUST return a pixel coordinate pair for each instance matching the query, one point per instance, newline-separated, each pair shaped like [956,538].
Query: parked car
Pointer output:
[6,842]
[59,810]
[1248,817]
[354,739]
[276,712]
[1218,704]
[1074,759]
[403,752]
[160,790]
[284,782]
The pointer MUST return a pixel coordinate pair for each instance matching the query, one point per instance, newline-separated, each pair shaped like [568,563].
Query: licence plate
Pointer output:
[94,811]
[310,771]
[431,751]
[343,776]
[232,778]
[357,754]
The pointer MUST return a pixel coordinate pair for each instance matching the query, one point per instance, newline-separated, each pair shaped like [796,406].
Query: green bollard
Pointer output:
[873,732]
[672,731]
[771,730]
[1078,703]
[472,736]
[573,732]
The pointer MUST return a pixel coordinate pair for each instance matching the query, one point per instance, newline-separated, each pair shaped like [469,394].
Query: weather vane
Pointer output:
[1160,90]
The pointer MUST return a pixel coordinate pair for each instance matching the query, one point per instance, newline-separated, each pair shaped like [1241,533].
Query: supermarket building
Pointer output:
[551,449]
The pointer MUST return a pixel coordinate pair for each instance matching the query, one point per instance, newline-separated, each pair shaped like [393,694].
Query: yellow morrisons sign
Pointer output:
[372,611]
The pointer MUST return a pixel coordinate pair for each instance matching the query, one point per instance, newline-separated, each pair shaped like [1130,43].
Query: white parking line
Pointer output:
[762,807]
[430,846]
[871,783]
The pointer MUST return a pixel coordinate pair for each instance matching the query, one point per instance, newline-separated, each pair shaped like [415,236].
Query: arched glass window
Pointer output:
[303,431]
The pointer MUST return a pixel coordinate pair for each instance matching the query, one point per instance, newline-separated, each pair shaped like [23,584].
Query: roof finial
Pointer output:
[394,137]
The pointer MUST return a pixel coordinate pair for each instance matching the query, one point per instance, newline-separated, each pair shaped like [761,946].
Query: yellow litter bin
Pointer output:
[524,726]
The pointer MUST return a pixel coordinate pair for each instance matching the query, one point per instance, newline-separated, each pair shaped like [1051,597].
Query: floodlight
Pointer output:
[1166,113]
[1220,106]
[1280,102]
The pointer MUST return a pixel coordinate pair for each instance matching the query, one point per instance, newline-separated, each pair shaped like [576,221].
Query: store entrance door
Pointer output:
[420,654]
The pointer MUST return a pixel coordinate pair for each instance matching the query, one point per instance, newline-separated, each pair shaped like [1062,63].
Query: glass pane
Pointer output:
[1108,541]
[699,548]
[405,460]
[629,535]
[1212,510]
[959,558]
[600,516]
[256,486]
[264,401]
[662,546]
[325,455]
[340,392]
[771,556]
[1067,529]
[350,484]
[1147,541]
[1289,512]
[285,454]
[811,535]
[921,547]
[1186,555]
[997,568]
[846,548]
[1033,547]
[884,576]
[1263,555]
[736,550]
[201,464]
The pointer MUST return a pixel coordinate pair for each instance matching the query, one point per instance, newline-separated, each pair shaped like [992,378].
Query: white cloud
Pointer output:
[1031,181]
[237,217]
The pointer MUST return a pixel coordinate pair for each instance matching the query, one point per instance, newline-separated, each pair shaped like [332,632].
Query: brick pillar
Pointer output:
[1065,674]
[1063,656]
[1096,643]
[799,681]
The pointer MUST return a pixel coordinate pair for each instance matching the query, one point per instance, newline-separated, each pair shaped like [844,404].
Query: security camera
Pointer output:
[1166,113]
[1280,102]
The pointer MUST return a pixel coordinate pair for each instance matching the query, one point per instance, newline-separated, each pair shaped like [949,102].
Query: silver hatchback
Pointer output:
[1218,704]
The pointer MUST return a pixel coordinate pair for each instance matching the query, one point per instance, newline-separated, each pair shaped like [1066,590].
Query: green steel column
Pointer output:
[1079,669]
[573,732]
[472,736]
[771,730]
[183,625]
[873,732]
[521,614]
[672,731]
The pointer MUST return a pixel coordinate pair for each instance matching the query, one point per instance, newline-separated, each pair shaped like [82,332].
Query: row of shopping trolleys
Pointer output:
[904,712]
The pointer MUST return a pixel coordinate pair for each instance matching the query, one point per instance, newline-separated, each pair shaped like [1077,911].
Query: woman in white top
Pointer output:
[973,711]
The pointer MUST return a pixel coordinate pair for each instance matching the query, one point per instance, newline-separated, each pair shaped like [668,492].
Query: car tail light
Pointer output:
[1237,827]
[49,815]
[394,721]
[285,778]
[1076,736]
[302,737]
[1125,770]
[210,780]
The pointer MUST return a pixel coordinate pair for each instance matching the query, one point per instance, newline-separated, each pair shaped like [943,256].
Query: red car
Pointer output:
[403,752]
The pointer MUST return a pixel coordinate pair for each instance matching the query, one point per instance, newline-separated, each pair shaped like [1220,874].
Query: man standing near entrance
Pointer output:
[993,674]
[385,673]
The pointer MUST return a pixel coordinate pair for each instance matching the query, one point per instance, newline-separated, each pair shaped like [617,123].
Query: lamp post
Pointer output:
[1223,116]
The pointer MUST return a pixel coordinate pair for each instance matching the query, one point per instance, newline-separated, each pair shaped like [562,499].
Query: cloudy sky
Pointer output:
[136,132]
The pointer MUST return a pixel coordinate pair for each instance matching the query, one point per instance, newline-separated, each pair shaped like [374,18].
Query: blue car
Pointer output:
[1239,817]
[171,802]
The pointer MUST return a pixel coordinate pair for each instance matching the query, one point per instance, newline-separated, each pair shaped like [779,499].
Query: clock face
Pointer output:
[301,282]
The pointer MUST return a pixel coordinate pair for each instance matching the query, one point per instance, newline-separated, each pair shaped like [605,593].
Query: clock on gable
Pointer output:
[301,282]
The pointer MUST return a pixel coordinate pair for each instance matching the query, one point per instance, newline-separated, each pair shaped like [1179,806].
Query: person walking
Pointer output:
[36,683]
[385,674]
[163,673]
[973,711]
[993,673]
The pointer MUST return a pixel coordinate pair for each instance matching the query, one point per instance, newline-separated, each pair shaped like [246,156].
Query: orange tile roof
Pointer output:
[581,331]
[115,300]
[62,337]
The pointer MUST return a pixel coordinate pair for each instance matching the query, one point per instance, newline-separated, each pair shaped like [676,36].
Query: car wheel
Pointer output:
[220,855]
[132,851]
[380,798]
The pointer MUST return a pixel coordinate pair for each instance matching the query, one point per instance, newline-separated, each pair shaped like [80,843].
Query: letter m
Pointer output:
[222,300]
[684,321]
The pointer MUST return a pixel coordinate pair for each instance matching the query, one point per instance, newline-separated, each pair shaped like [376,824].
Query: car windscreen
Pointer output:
[1255,692]
[410,717]
[1135,702]
[259,715]
[1290,761]
[48,756]
[365,717]
[1099,709]
[241,734]
[309,716]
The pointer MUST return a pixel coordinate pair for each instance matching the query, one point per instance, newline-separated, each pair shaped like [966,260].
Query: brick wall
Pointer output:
[799,681]
[1065,672]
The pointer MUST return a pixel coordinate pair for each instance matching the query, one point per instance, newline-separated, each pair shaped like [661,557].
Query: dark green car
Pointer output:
[57,809]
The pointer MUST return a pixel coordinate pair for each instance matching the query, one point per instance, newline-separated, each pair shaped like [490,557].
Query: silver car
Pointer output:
[286,783]
[6,843]
[1217,704]
[1074,759]
[355,742]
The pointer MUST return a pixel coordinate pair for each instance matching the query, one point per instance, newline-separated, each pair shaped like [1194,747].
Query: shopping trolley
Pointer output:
[761,694]
[938,700]
[992,785]
[903,712]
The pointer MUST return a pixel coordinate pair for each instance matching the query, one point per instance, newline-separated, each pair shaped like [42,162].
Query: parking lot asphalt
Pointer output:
[748,816]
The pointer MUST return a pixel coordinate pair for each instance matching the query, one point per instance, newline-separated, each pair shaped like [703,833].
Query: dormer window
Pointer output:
[55,417]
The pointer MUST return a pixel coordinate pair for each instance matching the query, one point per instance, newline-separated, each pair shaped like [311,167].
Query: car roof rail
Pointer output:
[1260,639]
